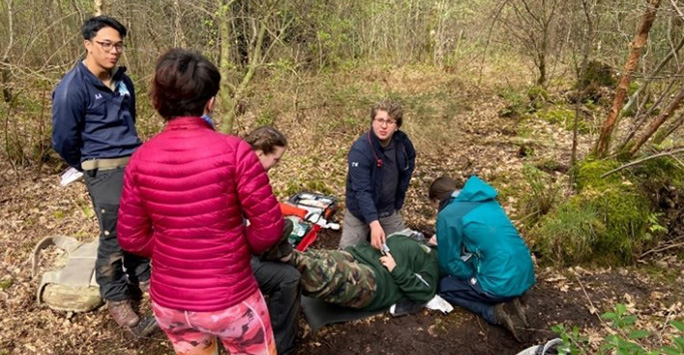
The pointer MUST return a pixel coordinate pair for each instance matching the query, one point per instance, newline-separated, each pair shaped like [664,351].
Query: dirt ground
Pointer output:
[558,297]
[566,296]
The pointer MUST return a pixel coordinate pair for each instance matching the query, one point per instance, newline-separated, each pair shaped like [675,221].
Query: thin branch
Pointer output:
[674,4]
[671,246]
[641,118]
[651,77]
[669,152]
[591,304]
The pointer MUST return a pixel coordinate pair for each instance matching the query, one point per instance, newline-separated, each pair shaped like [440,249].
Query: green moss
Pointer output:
[606,222]
[589,174]
[563,116]
[668,275]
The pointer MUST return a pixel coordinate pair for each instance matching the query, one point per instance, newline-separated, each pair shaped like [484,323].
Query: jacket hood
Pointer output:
[476,190]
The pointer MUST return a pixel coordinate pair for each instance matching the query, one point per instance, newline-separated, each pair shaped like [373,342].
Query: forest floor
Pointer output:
[470,137]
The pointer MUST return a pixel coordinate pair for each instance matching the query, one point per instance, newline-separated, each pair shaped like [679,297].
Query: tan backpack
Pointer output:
[70,284]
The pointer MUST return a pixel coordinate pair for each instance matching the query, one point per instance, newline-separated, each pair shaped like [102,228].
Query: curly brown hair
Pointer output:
[392,108]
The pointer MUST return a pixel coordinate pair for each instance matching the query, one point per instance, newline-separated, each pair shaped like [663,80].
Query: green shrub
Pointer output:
[517,104]
[599,74]
[537,96]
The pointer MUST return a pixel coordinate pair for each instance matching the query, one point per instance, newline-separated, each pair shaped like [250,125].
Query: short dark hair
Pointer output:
[183,82]
[94,24]
[393,109]
[266,139]
[442,187]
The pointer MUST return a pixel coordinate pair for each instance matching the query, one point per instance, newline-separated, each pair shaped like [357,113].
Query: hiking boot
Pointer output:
[504,319]
[282,248]
[145,327]
[520,311]
[123,313]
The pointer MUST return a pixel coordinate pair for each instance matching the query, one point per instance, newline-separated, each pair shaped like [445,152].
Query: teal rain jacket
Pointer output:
[477,240]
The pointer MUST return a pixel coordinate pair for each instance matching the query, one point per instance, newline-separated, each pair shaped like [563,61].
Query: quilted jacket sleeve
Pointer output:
[134,226]
[258,203]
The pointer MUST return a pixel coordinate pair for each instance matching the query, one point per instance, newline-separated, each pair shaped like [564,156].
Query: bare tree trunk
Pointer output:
[178,35]
[541,81]
[603,143]
[224,17]
[4,62]
[588,42]
[674,105]
[99,5]
[665,132]
[255,61]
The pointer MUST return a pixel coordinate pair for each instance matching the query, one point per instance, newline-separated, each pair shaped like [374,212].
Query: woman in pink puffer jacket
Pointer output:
[186,194]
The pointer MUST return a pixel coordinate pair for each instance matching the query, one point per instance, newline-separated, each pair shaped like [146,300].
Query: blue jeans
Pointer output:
[469,294]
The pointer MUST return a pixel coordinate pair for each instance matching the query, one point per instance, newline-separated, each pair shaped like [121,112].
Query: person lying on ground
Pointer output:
[279,282]
[362,277]
[480,251]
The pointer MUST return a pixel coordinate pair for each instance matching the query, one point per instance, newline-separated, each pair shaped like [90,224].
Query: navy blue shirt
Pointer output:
[90,120]
[390,180]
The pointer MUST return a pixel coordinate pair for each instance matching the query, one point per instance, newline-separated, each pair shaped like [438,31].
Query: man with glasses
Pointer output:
[380,165]
[93,117]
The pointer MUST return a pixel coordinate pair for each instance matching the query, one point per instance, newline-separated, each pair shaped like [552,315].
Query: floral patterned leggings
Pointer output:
[243,329]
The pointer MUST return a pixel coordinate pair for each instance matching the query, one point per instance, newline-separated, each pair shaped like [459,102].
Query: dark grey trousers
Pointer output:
[280,284]
[114,268]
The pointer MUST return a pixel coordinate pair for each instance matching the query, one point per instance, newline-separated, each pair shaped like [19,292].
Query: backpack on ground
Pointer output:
[69,284]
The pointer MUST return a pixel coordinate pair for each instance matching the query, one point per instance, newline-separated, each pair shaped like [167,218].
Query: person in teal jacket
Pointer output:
[485,261]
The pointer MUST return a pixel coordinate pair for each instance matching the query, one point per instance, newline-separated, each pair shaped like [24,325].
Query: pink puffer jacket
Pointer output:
[186,194]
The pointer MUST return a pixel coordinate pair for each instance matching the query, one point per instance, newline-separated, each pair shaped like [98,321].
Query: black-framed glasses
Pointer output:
[108,46]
